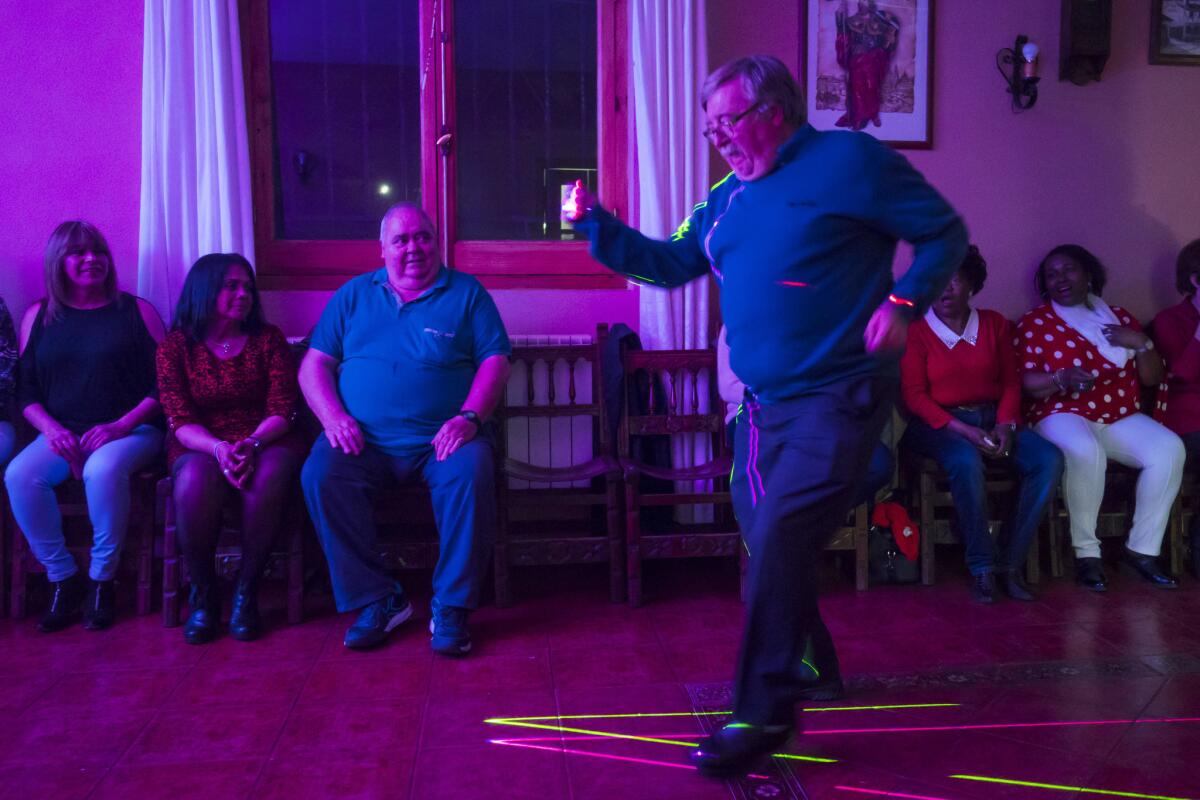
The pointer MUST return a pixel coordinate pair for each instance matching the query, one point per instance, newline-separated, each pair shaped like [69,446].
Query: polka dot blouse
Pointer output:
[1045,344]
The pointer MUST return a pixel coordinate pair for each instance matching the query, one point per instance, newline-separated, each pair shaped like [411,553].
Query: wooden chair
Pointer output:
[672,393]
[286,561]
[559,483]
[930,493]
[1184,509]
[137,553]
[853,536]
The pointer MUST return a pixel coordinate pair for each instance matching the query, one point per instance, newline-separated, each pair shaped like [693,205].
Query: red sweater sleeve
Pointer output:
[914,382]
[282,388]
[173,382]
[1177,342]
[1009,408]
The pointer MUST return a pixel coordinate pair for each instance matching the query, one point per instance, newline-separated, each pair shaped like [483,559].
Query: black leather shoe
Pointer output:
[983,588]
[64,605]
[245,625]
[734,748]
[1147,567]
[1014,586]
[201,625]
[1090,573]
[99,609]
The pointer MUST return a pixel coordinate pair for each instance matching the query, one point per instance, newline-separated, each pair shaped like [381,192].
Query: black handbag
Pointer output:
[885,562]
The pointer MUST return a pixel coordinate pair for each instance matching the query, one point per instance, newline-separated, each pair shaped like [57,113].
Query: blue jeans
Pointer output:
[340,492]
[36,470]
[1037,463]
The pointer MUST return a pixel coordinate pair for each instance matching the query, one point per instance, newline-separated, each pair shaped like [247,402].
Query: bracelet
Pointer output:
[256,442]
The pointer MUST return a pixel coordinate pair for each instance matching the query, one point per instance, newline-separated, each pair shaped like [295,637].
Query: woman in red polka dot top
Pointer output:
[1083,363]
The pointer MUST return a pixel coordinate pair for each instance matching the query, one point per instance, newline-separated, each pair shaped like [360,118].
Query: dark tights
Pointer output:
[201,492]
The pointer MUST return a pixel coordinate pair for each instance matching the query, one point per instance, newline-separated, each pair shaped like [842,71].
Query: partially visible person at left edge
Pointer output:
[8,381]
[87,385]
[801,238]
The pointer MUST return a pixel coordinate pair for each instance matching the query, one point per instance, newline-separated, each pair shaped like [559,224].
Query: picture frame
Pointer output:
[1175,32]
[884,72]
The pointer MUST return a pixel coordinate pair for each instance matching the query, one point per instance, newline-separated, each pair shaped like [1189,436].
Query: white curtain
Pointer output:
[669,66]
[195,155]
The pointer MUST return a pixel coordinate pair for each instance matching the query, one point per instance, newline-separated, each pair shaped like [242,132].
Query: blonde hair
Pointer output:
[69,236]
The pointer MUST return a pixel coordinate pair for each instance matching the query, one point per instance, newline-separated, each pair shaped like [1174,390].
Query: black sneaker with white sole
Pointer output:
[449,629]
[377,620]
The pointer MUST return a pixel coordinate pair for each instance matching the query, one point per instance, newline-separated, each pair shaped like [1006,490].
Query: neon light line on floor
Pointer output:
[894,707]
[650,739]
[998,726]
[881,793]
[1084,789]
[608,756]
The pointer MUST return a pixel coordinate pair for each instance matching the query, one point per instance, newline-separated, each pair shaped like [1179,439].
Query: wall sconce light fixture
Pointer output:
[1018,65]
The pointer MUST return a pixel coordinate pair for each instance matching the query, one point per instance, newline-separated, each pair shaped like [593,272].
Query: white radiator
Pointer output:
[544,442]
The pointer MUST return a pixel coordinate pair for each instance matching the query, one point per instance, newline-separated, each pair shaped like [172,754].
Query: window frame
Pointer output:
[314,264]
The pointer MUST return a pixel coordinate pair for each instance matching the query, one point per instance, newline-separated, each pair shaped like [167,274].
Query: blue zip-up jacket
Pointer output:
[803,257]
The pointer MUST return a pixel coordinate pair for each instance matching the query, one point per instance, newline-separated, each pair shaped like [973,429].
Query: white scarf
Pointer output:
[970,333]
[1090,322]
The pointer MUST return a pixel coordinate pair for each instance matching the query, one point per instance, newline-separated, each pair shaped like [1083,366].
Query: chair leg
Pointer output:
[1032,566]
[1055,544]
[170,579]
[145,554]
[501,574]
[928,552]
[17,583]
[1175,532]
[616,544]
[633,547]
[861,555]
[295,574]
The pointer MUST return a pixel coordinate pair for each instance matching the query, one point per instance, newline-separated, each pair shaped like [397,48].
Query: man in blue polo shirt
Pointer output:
[800,237]
[406,366]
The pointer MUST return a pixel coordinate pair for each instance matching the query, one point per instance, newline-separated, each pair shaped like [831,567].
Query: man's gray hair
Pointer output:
[766,79]
[401,206]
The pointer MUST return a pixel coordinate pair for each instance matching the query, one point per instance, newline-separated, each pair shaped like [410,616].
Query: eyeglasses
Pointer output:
[725,125]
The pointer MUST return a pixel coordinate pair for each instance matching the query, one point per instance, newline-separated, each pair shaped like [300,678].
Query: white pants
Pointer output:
[1136,441]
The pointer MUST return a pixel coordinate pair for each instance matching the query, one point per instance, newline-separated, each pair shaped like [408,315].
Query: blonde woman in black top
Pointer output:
[87,384]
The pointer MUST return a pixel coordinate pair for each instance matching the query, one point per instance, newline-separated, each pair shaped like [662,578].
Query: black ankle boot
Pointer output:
[1147,567]
[244,622]
[99,610]
[64,606]
[1014,586]
[201,625]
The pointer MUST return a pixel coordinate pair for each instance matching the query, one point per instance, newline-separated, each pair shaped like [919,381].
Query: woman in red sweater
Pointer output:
[1083,365]
[1176,334]
[228,386]
[959,380]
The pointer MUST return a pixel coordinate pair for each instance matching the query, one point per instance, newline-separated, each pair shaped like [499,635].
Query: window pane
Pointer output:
[525,74]
[346,80]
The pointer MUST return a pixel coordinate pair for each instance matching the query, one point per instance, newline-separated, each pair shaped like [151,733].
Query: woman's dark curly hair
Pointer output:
[1081,256]
[973,269]
[198,298]
[1187,265]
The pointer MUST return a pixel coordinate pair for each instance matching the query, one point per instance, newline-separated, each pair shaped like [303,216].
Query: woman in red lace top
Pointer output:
[228,386]
[1083,365]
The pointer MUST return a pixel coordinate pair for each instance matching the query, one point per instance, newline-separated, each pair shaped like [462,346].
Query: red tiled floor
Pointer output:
[134,712]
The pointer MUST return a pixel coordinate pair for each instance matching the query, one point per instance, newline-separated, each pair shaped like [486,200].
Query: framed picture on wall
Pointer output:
[1175,32]
[868,66]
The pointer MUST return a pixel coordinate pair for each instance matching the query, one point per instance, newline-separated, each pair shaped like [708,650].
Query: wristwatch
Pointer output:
[471,417]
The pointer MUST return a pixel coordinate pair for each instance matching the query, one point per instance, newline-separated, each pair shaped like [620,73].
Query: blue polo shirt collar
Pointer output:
[380,277]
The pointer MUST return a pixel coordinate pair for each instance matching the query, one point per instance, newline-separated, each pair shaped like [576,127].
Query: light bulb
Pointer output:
[1030,52]
[385,188]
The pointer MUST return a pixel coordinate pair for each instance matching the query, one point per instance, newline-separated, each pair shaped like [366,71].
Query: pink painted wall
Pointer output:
[70,132]
[1112,165]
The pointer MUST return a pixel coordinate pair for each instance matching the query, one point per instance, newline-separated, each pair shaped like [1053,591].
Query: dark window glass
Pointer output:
[525,80]
[346,79]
